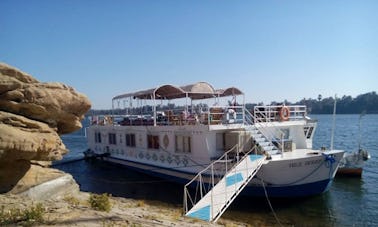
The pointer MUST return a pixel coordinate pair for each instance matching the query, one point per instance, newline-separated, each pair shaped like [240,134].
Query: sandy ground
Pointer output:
[76,211]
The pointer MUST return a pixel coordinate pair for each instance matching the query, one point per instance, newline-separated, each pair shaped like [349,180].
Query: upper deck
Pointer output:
[195,104]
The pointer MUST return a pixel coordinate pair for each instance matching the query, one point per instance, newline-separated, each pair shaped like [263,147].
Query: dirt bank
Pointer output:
[75,210]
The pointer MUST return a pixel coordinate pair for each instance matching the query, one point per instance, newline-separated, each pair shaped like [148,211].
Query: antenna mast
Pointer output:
[333,122]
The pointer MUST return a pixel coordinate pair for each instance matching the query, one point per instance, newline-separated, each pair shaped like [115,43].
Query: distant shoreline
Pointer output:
[362,104]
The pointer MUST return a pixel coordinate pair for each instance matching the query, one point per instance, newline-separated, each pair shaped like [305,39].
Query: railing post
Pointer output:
[225,188]
[200,182]
[185,208]
[282,143]
[208,117]
[237,153]
[246,166]
[243,110]
[212,194]
[235,168]
[226,163]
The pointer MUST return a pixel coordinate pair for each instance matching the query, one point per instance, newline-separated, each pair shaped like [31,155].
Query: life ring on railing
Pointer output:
[231,115]
[284,113]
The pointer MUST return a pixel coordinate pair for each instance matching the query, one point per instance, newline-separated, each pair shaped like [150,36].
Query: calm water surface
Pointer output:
[350,201]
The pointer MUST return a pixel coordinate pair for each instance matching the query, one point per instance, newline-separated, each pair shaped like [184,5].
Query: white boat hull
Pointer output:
[290,177]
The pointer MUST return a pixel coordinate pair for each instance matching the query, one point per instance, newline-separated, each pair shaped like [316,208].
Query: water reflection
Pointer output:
[101,177]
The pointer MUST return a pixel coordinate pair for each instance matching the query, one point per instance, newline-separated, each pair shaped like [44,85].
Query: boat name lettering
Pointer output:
[313,162]
[295,164]
[306,163]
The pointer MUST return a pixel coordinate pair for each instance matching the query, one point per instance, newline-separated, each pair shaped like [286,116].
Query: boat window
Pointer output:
[183,144]
[308,131]
[112,138]
[97,137]
[286,133]
[153,142]
[130,140]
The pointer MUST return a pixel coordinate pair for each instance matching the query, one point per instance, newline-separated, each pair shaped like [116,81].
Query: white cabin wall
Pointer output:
[141,139]
[202,141]
[217,144]
[201,146]
[169,145]
[211,144]
[298,137]
[90,136]
[198,136]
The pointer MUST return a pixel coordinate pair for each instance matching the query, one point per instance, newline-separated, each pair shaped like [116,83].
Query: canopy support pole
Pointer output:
[154,108]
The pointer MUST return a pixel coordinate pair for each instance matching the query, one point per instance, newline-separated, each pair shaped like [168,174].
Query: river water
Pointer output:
[349,202]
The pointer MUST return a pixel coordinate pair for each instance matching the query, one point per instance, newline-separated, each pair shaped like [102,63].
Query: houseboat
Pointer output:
[178,132]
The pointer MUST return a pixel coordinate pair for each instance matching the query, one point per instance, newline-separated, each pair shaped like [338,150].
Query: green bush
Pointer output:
[72,200]
[100,202]
[27,217]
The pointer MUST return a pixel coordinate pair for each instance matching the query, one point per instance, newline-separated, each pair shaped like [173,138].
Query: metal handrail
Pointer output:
[199,177]
[264,128]
[271,113]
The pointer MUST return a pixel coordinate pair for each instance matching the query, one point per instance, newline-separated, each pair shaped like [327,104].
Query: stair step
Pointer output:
[269,148]
[264,144]
[260,139]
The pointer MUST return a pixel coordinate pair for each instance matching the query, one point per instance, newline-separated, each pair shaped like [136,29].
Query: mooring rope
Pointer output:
[270,205]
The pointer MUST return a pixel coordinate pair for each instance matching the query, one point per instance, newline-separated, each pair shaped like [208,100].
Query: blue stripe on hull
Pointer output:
[302,190]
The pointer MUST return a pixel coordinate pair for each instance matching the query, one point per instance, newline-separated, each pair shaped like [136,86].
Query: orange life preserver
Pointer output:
[284,113]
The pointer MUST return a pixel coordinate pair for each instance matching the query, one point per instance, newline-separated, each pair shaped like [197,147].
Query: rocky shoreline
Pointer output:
[33,116]
[70,207]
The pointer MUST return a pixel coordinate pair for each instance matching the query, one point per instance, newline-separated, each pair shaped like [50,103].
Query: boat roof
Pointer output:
[199,90]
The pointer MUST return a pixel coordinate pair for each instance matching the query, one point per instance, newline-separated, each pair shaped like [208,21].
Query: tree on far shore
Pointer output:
[364,103]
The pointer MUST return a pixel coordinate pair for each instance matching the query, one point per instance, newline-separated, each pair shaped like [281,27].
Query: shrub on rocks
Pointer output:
[100,202]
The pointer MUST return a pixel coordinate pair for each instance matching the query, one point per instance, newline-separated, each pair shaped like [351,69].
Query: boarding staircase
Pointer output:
[209,194]
[214,190]
[263,143]
[261,129]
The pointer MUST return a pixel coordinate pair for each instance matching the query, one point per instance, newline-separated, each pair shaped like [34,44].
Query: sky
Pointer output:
[271,50]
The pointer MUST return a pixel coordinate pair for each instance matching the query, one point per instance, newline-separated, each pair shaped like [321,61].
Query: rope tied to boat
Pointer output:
[270,205]
[329,160]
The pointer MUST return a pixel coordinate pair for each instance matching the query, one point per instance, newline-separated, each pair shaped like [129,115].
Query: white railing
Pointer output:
[274,113]
[205,180]
[177,116]
[267,129]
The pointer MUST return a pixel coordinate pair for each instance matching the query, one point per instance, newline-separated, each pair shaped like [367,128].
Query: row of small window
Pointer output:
[182,143]
[130,139]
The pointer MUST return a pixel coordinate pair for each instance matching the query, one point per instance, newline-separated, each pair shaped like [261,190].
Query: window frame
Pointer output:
[98,137]
[153,142]
[186,143]
[112,138]
[130,140]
